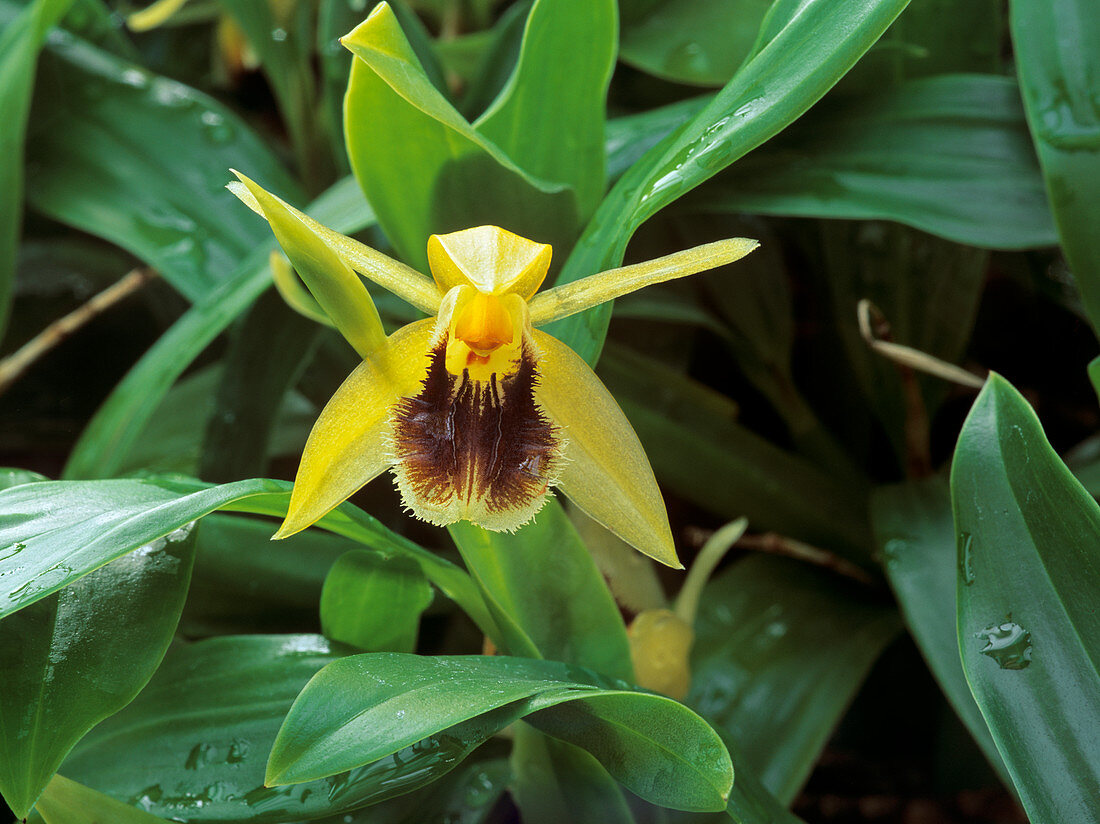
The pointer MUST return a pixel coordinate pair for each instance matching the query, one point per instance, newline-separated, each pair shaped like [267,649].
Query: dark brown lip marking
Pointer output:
[468,440]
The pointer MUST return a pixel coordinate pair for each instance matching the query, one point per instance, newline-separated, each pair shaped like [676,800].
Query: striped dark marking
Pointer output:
[472,440]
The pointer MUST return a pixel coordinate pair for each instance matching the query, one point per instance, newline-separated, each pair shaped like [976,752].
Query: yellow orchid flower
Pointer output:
[477,412]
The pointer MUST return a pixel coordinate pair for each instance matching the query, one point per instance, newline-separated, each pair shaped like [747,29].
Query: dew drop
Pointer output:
[215,128]
[238,751]
[278,35]
[966,558]
[1007,643]
[135,78]
[11,551]
[198,757]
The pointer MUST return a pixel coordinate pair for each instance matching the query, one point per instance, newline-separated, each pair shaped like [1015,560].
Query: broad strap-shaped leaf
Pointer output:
[66,802]
[690,42]
[791,73]
[780,651]
[20,40]
[1028,627]
[949,155]
[193,745]
[140,160]
[700,451]
[78,656]
[451,177]
[552,122]
[102,447]
[58,531]
[915,534]
[374,602]
[554,782]
[545,580]
[363,708]
[1057,50]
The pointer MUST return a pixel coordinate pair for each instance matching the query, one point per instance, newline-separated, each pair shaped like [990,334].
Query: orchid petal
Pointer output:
[570,298]
[350,443]
[404,281]
[489,258]
[338,290]
[605,472]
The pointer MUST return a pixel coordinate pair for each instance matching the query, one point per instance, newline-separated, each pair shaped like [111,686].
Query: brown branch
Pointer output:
[19,361]
[775,544]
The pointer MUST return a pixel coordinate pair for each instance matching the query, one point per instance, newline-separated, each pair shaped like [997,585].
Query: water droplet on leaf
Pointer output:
[1007,643]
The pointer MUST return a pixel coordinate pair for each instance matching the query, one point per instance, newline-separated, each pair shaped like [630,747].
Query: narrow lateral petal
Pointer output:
[350,443]
[408,284]
[605,471]
[570,298]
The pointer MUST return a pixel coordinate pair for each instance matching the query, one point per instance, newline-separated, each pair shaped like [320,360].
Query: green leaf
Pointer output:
[74,658]
[74,527]
[1028,627]
[141,161]
[452,176]
[66,802]
[365,707]
[1057,50]
[253,385]
[104,444]
[245,582]
[928,289]
[700,452]
[543,578]
[949,155]
[374,601]
[800,63]
[20,41]
[915,533]
[780,651]
[690,42]
[555,781]
[282,35]
[193,745]
[552,122]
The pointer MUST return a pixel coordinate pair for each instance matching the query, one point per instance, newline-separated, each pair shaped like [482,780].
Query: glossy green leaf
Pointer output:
[552,122]
[543,578]
[928,290]
[1057,49]
[69,528]
[141,160]
[780,651]
[194,743]
[555,782]
[452,176]
[690,42]
[631,136]
[104,444]
[245,419]
[749,803]
[800,63]
[66,802]
[365,707]
[699,451]
[20,40]
[245,582]
[918,44]
[949,155]
[74,658]
[282,36]
[1028,627]
[915,533]
[374,602]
